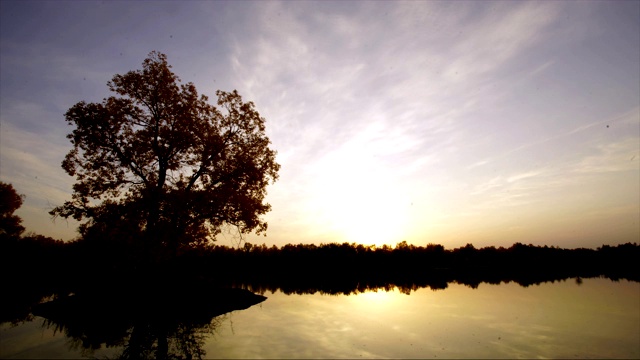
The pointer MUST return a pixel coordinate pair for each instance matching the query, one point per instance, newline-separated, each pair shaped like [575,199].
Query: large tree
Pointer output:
[159,161]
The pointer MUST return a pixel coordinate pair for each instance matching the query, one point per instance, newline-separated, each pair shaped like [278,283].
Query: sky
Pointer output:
[423,121]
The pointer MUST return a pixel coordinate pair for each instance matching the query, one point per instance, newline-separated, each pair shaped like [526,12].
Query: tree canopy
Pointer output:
[10,201]
[157,161]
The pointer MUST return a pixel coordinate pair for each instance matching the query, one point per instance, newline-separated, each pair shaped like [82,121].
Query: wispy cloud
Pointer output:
[623,155]
[631,117]
[521,176]
[31,162]
[504,33]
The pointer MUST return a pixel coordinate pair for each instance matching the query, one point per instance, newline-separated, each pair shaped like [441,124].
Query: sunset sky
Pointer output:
[432,122]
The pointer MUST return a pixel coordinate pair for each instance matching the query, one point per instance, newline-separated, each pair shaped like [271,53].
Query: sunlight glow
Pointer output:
[379,301]
[360,199]
[379,296]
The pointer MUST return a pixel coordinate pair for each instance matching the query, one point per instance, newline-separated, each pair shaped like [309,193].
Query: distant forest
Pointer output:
[35,267]
[351,268]
[331,268]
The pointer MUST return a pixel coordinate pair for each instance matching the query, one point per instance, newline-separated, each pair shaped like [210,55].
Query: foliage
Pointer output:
[10,201]
[157,162]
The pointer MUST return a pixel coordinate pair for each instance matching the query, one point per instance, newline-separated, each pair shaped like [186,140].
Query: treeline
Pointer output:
[34,267]
[35,253]
[347,268]
[49,258]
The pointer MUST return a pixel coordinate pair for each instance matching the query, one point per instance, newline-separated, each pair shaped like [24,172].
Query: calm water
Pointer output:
[596,319]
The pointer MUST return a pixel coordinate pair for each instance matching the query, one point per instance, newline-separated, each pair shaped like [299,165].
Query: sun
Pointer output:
[365,215]
[360,201]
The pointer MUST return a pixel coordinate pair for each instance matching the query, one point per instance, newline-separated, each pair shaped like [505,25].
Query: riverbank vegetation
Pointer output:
[331,267]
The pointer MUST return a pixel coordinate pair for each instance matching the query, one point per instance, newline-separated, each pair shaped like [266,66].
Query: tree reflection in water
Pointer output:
[147,321]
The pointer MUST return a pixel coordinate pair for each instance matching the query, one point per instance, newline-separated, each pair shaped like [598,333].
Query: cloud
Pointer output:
[336,73]
[31,162]
[488,185]
[521,176]
[623,155]
[503,34]
[541,68]
[631,117]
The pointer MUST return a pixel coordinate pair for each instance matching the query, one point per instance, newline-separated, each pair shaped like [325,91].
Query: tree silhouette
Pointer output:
[10,201]
[157,162]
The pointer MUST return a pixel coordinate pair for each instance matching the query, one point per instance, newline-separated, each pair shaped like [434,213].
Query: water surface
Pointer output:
[592,318]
